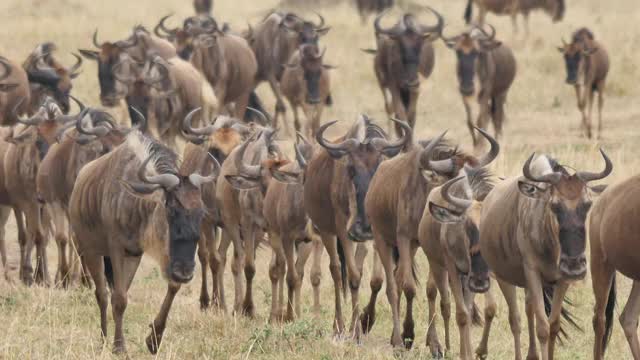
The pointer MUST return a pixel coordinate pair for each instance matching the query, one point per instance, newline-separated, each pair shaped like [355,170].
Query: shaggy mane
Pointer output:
[163,159]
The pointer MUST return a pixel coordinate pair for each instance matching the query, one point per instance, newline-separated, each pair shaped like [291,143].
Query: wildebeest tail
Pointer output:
[608,314]
[256,103]
[108,271]
[343,267]
[468,12]
[565,314]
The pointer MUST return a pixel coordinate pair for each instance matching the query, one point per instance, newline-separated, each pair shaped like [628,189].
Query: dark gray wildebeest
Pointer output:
[395,204]
[241,212]
[532,235]
[306,83]
[587,63]
[480,55]
[30,142]
[182,37]
[449,237]
[159,213]
[336,183]
[203,7]
[368,7]
[92,134]
[403,52]
[217,140]
[274,40]
[613,236]
[554,8]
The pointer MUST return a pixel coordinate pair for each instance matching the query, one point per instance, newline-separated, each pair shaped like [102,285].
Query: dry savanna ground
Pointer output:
[542,116]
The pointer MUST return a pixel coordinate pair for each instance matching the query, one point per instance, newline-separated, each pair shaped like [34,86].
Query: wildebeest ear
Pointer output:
[329,67]
[89,54]
[598,189]
[491,46]
[241,182]
[444,215]
[530,190]
[561,49]
[369,51]
[7,87]
[286,177]
[323,31]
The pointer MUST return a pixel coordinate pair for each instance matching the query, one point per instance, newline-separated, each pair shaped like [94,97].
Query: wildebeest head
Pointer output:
[567,204]
[469,47]
[219,137]
[305,32]
[312,67]
[362,150]
[6,66]
[461,220]
[182,38]
[409,37]
[113,63]
[179,197]
[576,55]
[43,69]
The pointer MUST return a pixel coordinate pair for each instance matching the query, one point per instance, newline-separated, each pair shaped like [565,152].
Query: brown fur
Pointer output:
[10,99]
[554,8]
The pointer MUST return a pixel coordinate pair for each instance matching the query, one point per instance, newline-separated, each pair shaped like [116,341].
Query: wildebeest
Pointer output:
[449,237]
[478,53]
[274,40]
[613,229]
[306,83]
[30,143]
[403,52]
[15,95]
[368,7]
[587,64]
[337,182]
[394,205]
[554,8]
[159,213]
[203,7]
[217,140]
[94,134]
[228,63]
[241,211]
[182,37]
[532,235]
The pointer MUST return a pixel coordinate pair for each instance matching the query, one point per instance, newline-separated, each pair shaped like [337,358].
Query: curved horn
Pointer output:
[376,24]
[302,161]
[78,102]
[161,26]
[34,120]
[425,157]
[437,28]
[7,68]
[142,124]
[449,40]
[97,131]
[189,129]
[321,25]
[493,152]
[608,168]
[335,149]
[129,42]
[95,40]
[260,113]
[66,118]
[552,178]
[198,180]
[253,171]
[451,199]
[487,36]
[167,181]
[393,148]
[72,70]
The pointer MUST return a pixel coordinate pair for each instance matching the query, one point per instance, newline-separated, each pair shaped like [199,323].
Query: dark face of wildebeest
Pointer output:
[182,38]
[575,54]
[182,204]
[567,203]
[409,37]
[306,31]
[362,155]
[469,46]
[113,62]
[312,68]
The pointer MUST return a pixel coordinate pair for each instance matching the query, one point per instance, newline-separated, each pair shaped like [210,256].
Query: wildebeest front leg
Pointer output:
[498,116]
[534,286]
[280,108]
[304,252]
[276,274]
[293,279]
[385,251]
[629,319]
[484,114]
[511,298]
[368,317]
[407,282]
[399,111]
[414,94]
[354,276]
[159,323]
[532,353]
[590,93]
[95,266]
[602,279]
[225,242]
[490,309]
[203,257]
[124,269]
[4,217]
[554,318]
[463,316]
[437,283]
[254,237]
[330,243]
[316,272]
[581,99]
[466,100]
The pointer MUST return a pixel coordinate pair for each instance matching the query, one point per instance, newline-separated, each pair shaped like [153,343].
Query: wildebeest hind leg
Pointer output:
[124,269]
[463,314]
[437,283]
[497,114]
[600,106]
[554,318]
[304,252]
[95,266]
[368,317]
[4,216]
[203,257]
[489,314]
[159,323]
[388,264]
[330,243]
[629,319]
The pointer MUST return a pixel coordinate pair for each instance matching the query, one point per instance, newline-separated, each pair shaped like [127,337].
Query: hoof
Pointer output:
[248,310]
[481,353]
[153,343]
[436,351]
[204,303]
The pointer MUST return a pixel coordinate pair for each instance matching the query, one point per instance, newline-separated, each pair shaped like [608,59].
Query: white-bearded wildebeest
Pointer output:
[274,40]
[368,7]
[532,235]
[31,140]
[241,210]
[94,134]
[336,183]
[613,234]
[587,63]
[395,205]
[159,213]
[306,83]
[217,140]
[403,52]
[554,8]
[478,53]
[449,237]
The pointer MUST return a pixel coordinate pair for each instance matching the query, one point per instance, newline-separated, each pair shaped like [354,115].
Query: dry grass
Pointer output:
[542,116]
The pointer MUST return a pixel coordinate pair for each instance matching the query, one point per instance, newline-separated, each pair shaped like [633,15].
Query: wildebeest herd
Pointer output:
[200,168]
